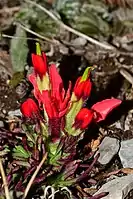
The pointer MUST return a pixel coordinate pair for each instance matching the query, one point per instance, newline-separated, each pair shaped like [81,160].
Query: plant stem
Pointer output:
[33,176]
[7,194]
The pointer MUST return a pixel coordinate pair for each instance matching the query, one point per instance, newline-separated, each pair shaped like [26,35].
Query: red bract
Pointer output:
[33,80]
[29,109]
[58,98]
[49,105]
[55,100]
[57,90]
[53,114]
[40,64]
[83,118]
[103,108]
[82,88]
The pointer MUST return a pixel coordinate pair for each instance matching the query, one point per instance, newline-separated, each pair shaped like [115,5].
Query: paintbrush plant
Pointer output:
[52,126]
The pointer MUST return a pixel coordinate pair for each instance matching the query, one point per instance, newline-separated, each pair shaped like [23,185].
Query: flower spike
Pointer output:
[60,105]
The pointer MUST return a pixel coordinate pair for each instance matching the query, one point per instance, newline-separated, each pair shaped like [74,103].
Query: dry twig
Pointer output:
[34,175]
[14,37]
[127,75]
[34,33]
[7,194]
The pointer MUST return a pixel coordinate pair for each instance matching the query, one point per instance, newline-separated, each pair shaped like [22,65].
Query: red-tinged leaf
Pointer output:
[100,195]
[103,108]
[85,174]
[70,169]
[55,128]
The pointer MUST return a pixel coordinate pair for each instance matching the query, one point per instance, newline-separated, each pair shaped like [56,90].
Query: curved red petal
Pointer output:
[103,108]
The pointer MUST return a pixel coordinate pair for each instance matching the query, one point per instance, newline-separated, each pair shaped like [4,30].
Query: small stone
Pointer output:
[1,124]
[118,188]
[4,111]
[118,125]
[126,153]
[121,59]
[63,50]
[27,67]
[17,112]
[79,41]
[107,149]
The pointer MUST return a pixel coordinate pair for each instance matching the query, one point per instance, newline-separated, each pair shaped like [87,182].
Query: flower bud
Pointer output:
[29,109]
[83,118]
[40,64]
[82,88]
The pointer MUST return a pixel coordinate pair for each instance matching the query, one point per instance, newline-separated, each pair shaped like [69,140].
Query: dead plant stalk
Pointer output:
[5,185]
[33,176]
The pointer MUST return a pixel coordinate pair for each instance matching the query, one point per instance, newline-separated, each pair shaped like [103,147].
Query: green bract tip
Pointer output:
[85,74]
[38,49]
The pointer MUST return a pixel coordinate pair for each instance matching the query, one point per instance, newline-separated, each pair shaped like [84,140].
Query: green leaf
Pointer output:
[54,153]
[19,50]
[70,117]
[19,151]
[37,20]
[59,181]
[16,78]
[86,16]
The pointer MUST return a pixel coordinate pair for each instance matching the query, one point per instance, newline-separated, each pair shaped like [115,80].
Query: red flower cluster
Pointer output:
[48,88]
[63,111]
